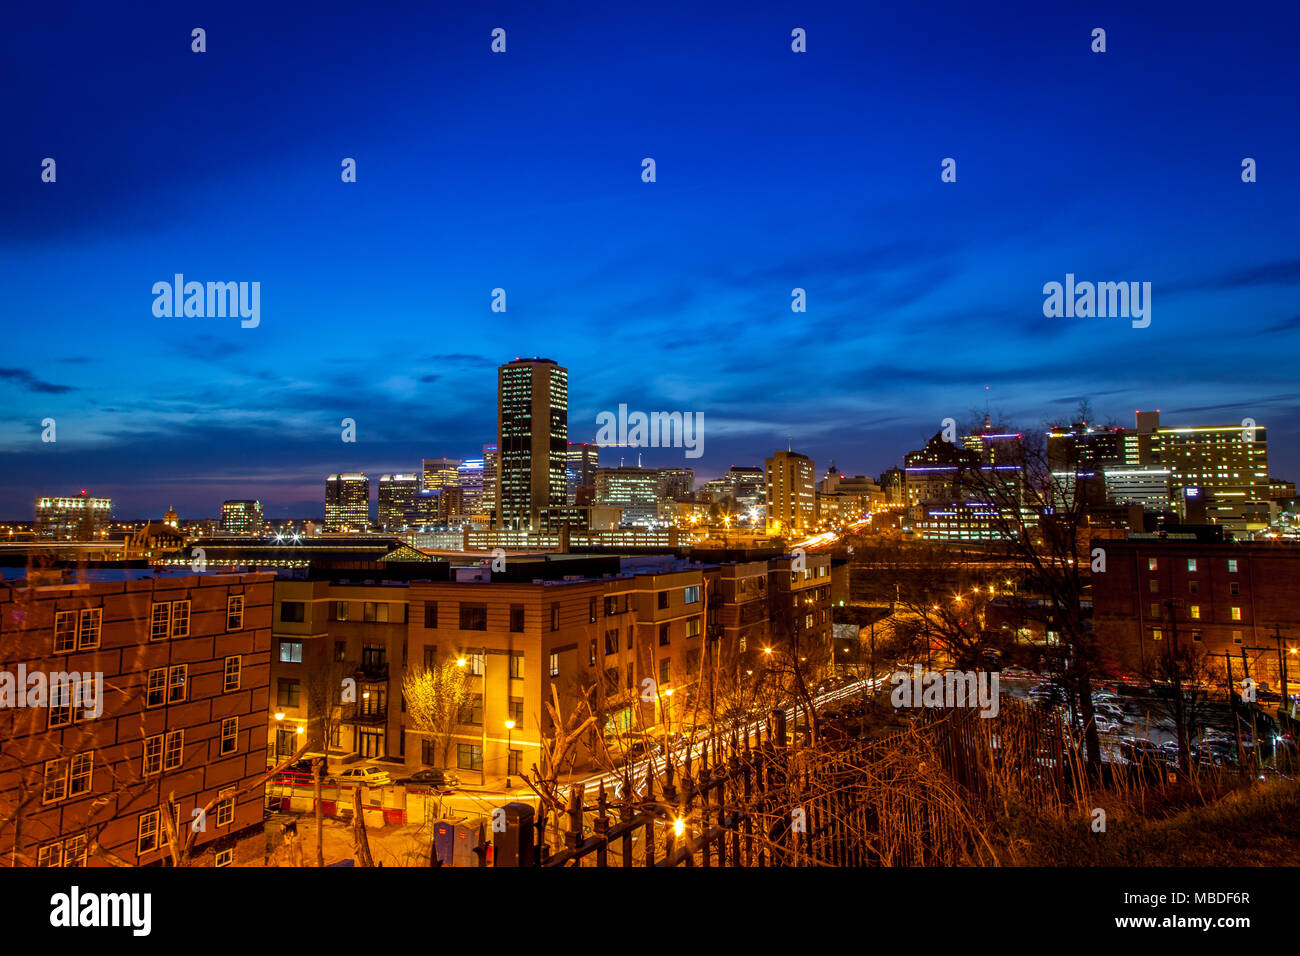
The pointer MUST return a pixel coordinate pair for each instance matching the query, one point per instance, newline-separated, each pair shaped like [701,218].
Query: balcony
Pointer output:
[373,671]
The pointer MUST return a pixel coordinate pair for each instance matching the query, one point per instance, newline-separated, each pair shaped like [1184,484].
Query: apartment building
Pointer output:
[324,632]
[632,631]
[179,671]
[799,602]
[1235,598]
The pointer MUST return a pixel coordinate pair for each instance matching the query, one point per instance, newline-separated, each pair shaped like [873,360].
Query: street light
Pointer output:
[510,727]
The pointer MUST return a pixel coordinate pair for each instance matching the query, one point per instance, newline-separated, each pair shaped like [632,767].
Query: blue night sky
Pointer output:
[775,170]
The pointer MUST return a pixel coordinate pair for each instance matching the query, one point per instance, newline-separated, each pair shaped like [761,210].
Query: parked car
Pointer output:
[1105,725]
[444,781]
[1018,672]
[1141,753]
[1112,711]
[363,776]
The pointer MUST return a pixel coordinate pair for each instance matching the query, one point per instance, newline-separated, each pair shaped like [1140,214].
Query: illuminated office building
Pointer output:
[533,438]
[72,518]
[241,517]
[347,502]
[791,503]
[397,500]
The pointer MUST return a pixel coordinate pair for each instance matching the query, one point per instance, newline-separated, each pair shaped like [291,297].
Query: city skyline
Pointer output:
[775,172]
[614,457]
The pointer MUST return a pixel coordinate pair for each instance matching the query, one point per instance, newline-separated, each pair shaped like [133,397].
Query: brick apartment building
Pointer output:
[184,665]
[1226,597]
[568,623]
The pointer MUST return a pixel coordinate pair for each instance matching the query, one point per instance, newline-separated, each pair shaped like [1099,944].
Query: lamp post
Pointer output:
[510,729]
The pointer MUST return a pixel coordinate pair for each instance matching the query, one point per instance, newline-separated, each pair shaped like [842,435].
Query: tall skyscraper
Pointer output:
[241,517]
[397,500]
[533,438]
[470,482]
[790,498]
[347,502]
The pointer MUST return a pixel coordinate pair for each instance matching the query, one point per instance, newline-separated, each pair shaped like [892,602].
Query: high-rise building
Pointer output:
[470,483]
[241,517]
[347,502]
[397,494]
[791,505]
[440,473]
[580,472]
[490,467]
[73,518]
[533,438]
[1226,463]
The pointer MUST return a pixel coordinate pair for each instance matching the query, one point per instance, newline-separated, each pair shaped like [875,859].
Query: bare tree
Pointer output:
[434,700]
[1038,515]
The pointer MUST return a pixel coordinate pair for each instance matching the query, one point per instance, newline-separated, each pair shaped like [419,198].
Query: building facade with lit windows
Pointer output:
[469,480]
[1239,598]
[396,508]
[791,501]
[241,517]
[183,666]
[1227,463]
[580,470]
[325,631]
[532,442]
[72,517]
[440,473]
[636,491]
[347,502]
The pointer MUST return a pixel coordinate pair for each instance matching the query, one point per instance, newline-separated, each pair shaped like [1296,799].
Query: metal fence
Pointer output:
[914,798]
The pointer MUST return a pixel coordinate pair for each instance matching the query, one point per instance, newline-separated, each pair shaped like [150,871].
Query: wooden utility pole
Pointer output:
[1281,666]
[359,840]
[1176,684]
[316,770]
[1236,716]
[1254,724]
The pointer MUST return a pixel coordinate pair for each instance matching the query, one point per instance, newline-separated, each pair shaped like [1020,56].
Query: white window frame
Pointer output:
[55,772]
[143,829]
[81,767]
[232,735]
[65,631]
[89,628]
[160,624]
[184,670]
[152,755]
[226,686]
[226,806]
[235,612]
[180,619]
[178,751]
